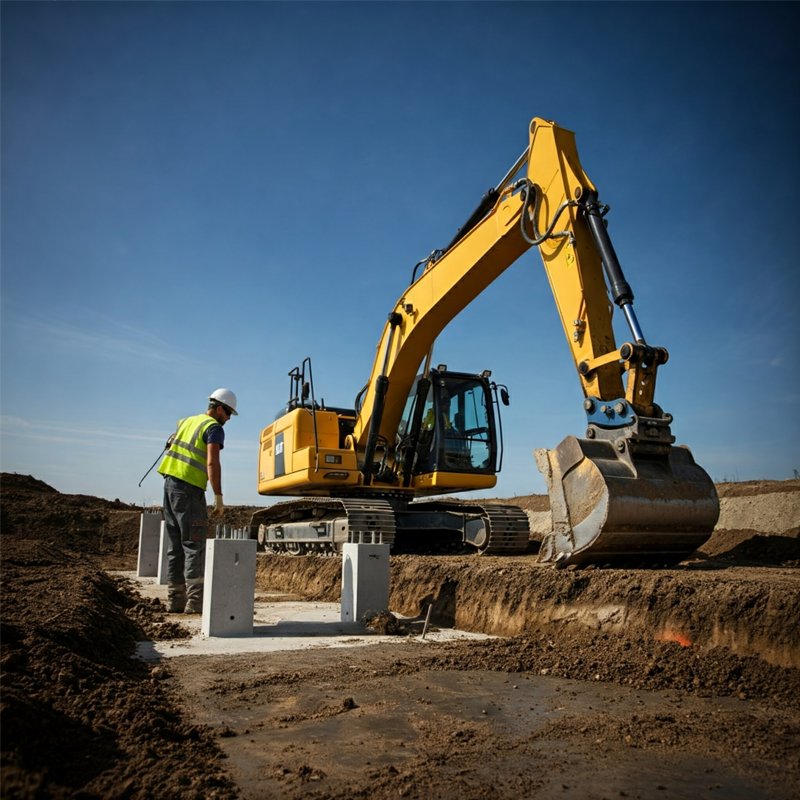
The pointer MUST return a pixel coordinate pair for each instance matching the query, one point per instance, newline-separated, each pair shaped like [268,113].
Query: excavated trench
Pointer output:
[752,614]
[741,591]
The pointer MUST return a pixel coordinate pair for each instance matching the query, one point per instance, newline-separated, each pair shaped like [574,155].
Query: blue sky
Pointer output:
[198,195]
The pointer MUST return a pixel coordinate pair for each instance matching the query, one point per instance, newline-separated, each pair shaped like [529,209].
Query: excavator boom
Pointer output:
[452,278]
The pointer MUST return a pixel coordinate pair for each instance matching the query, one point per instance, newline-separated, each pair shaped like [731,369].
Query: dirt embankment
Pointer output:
[91,526]
[79,716]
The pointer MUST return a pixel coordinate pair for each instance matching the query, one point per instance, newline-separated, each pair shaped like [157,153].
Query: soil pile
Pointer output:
[79,716]
[30,509]
[759,524]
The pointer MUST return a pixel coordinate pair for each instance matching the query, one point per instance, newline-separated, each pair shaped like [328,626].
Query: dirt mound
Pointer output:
[22,484]
[751,547]
[527,502]
[79,715]
[80,523]
[386,623]
[31,509]
[756,488]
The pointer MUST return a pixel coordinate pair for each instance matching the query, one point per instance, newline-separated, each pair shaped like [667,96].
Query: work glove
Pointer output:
[218,506]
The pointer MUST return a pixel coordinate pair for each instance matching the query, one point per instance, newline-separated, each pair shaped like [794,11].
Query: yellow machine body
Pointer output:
[290,464]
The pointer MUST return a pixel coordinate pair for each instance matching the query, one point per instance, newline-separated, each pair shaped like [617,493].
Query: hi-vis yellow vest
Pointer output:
[186,458]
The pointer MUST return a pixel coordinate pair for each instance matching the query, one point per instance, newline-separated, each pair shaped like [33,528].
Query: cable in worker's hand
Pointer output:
[166,447]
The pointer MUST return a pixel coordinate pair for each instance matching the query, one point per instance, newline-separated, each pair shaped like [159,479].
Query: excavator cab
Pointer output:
[448,426]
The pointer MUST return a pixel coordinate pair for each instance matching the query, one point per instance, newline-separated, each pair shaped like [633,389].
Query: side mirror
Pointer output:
[504,396]
[306,390]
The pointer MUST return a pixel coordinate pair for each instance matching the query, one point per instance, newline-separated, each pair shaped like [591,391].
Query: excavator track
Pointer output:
[369,521]
[323,525]
[491,529]
[509,530]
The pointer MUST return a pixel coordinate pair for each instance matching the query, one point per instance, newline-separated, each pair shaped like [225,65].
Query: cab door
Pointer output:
[457,427]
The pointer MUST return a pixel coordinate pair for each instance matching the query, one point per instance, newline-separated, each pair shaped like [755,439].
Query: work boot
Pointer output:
[176,598]
[194,594]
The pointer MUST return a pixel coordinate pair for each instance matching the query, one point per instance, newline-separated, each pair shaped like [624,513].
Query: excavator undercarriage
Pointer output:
[322,526]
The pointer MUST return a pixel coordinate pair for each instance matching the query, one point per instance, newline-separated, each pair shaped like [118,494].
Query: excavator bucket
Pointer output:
[625,502]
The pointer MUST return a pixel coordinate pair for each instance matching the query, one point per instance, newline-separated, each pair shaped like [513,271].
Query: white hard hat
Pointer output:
[226,397]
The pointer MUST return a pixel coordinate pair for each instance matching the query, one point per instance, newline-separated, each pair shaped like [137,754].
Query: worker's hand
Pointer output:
[218,506]
[169,442]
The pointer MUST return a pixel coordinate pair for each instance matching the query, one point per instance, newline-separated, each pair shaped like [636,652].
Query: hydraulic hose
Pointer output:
[486,204]
[381,388]
[539,238]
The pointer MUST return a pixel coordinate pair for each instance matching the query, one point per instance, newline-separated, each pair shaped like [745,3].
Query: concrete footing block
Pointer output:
[149,543]
[365,580]
[163,576]
[230,587]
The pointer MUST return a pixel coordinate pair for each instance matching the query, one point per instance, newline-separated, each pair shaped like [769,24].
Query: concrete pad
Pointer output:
[163,556]
[365,580]
[149,541]
[230,585]
[277,626]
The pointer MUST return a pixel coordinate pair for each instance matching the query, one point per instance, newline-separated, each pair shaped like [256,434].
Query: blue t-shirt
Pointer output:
[214,434]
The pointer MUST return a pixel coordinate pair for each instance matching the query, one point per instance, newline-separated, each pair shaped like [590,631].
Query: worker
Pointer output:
[430,418]
[191,461]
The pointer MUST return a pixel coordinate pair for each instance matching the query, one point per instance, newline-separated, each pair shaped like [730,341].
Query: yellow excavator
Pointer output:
[381,471]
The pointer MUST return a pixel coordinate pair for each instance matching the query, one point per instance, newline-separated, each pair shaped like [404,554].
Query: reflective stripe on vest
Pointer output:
[186,458]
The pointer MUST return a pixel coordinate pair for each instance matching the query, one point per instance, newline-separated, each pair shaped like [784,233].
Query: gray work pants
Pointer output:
[186,524]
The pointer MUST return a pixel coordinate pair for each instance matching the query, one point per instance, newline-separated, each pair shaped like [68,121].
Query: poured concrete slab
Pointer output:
[277,625]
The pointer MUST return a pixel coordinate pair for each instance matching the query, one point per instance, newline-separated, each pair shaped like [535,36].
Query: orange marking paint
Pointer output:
[670,635]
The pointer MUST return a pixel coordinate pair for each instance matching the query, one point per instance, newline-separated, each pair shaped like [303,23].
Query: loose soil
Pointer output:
[601,683]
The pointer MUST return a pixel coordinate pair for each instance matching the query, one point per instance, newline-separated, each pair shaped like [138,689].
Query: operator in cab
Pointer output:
[429,421]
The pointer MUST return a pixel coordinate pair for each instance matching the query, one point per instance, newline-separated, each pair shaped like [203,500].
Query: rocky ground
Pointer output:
[601,683]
